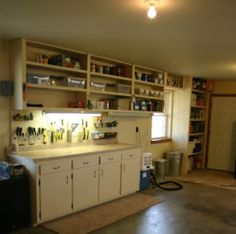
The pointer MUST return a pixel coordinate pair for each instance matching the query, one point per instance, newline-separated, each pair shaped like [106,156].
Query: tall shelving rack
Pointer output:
[198,123]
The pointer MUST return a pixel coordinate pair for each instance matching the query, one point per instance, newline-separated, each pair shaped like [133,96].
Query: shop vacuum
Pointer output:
[148,175]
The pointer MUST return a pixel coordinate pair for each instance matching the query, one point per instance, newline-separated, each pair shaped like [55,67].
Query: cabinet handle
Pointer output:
[111,158]
[131,156]
[102,172]
[123,167]
[55,168]
[67,180]
[95,174]
[85,163]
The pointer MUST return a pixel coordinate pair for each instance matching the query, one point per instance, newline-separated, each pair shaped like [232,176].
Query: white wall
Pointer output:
[181,113]
[127,134]
[4,101]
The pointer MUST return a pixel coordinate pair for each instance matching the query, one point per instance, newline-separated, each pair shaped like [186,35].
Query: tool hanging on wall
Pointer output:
[62,129]
[45,136]
[53,133]
[20,136]
[84,131]
[40,135]
[87,130]
[69,133]
[31,131]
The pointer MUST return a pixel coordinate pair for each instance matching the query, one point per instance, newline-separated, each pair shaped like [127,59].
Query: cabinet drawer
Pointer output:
[131,154]
[55,166]
[110,157]
[85,161]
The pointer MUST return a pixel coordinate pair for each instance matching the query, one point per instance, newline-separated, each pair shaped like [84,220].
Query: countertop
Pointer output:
[60,152]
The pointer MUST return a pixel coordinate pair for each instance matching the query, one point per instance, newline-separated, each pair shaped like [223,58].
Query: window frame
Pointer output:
[168,112]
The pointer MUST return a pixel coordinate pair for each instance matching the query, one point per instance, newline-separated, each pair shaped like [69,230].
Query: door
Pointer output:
[109,186]
[55,194]
[85,187]
[130,176]
[222,139]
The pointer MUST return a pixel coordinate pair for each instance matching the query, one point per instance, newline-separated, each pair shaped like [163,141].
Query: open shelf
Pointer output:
[50,76]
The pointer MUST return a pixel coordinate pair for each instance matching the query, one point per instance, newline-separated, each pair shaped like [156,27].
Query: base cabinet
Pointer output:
[62,186]
[130,171]
[130,176]
[85,187]
[55,194]
[109,184]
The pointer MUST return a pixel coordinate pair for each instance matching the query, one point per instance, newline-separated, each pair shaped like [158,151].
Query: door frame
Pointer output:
[209,119]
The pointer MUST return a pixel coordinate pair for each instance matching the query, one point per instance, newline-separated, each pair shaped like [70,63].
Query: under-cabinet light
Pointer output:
[71,116]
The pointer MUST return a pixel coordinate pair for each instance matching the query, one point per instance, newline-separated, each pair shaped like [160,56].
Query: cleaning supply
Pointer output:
[14,144]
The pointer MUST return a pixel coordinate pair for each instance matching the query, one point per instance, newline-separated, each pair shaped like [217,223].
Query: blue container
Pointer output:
[144,180]
[5,170]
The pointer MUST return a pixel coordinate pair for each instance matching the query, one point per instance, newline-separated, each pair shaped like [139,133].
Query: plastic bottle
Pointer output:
[14,145]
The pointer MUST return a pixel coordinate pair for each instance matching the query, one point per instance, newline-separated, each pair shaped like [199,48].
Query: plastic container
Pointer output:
[174,159]
[76,82]
[119,104]
[122,88]
[98,86]
[144,179]
[38,79]
[100,105]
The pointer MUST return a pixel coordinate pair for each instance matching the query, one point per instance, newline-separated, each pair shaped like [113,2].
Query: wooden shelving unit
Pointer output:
[148,89]
[198,123]
[61,78]
[174,81]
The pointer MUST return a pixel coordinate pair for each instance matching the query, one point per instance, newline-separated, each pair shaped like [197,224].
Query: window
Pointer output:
[161,122]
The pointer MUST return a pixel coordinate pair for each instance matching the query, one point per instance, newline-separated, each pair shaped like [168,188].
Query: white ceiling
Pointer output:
[189,37]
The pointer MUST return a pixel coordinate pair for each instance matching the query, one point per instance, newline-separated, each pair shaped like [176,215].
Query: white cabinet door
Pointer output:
[109,186]
[130,171]
[55,194]
[85,187]
[130,176]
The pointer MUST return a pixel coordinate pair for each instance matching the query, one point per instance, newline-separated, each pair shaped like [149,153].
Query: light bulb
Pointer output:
[152,12]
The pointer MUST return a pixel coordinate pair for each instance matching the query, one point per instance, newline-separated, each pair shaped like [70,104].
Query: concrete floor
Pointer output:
[197,209]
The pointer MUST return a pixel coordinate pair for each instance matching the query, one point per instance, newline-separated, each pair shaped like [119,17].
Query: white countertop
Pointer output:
[52,153]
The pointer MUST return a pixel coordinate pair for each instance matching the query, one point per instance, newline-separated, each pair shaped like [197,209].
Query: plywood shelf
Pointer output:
[148,97]
[148,83]
[113,77]
[54,67]
[63,88]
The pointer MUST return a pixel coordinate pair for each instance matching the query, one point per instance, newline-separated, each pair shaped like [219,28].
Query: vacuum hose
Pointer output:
[160,185]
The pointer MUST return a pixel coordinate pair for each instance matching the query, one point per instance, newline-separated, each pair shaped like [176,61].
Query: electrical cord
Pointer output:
[160,185]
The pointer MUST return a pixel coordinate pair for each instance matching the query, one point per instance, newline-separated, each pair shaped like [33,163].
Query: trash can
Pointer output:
[160,169]
[174,159]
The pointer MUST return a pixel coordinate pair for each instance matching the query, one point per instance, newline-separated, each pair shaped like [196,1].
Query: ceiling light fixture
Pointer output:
[152,12]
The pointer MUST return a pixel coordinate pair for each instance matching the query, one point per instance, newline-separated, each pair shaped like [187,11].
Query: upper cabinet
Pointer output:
[53,77]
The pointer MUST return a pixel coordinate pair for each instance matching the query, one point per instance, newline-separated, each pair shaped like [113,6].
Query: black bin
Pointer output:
[15,205]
